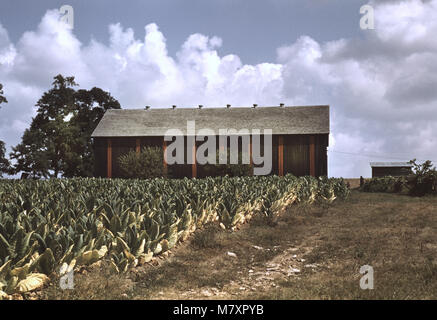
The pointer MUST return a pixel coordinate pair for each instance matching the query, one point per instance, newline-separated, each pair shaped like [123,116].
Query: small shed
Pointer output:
[395,169]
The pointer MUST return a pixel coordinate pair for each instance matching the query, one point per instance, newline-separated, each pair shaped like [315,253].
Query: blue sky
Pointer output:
[253,29]
[379,83]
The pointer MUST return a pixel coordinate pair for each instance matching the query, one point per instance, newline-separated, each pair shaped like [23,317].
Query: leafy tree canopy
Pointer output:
[2,98]
[4,163]
[58,141]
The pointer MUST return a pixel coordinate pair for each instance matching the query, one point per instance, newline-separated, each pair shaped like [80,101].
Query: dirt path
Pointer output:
[255,277]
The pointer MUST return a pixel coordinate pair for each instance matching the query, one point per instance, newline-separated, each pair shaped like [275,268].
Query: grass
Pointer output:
[394,234]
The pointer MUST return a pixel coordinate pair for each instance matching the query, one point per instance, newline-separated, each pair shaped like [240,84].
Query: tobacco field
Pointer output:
[51,227]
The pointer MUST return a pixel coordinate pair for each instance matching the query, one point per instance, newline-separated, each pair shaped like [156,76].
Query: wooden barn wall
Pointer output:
[120,146]
[201,171]
[275,165]
[150,142]
[179,170]
[390,171]
[100,157]
[275,154]
[322,142]
[296,155]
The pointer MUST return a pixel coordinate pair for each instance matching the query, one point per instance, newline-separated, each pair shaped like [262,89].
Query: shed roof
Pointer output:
[390,164]
[156,122]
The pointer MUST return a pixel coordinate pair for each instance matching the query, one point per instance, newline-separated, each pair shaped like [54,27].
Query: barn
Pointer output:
[394,169]
[299,135]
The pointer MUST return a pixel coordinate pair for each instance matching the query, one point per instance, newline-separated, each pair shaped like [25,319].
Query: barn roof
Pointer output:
[155,122]
[390,164]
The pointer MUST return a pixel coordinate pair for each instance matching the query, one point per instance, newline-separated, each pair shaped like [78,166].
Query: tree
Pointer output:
[2,98]
[4,163]
[59,138]
[45,144]
[90,108]
[424,180]
[30,156]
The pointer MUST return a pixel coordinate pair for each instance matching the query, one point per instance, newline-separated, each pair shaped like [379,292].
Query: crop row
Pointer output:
[53,226]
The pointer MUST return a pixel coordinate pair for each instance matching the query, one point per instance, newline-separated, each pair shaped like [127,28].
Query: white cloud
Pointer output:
[7,50]
[408,23]
[381,87]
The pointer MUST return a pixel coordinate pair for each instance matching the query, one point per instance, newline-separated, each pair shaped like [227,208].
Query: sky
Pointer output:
[380,84]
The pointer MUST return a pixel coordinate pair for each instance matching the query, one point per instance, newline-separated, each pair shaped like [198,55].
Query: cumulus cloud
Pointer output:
[381,87]
[137,72]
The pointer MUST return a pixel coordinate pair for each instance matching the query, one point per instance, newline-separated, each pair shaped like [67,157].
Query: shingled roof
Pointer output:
[155,122]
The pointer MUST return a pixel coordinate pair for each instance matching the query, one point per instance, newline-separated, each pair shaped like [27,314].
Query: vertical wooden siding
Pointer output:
[321,155]
[100,146]
[164,161]
[194,165]
[296,155]
[109,159]
[280,155]
[391,171]
[120,146]
[312,155]
[138,145]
